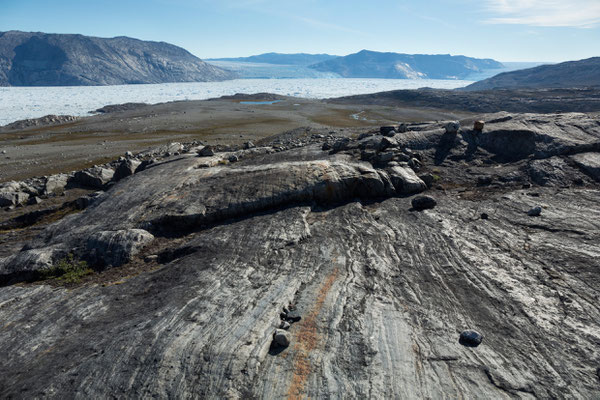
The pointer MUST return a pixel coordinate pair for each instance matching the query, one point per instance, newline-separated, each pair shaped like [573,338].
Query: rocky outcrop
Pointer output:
[40,59]
[516,100]
[572,74]
[308,273]
[590,163]
[35,122]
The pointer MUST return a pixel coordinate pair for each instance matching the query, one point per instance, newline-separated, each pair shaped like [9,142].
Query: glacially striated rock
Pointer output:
[380,288]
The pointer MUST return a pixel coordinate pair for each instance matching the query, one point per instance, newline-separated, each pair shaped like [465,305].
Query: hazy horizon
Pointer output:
[505,30]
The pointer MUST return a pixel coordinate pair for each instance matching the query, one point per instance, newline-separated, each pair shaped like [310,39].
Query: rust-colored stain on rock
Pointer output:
[307,340]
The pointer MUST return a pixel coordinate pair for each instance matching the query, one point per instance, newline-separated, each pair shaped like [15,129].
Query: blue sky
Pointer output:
[507,30]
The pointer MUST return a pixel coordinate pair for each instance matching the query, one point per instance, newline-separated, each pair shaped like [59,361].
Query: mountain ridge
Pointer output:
[372,64]
[570,74]
[43,59]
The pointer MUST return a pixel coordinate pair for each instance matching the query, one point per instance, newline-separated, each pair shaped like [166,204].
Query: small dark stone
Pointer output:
[421,203]
[283,315]
[484,216]
[284,325]
[535,211]
[293,316]
[281,338]
[470,338]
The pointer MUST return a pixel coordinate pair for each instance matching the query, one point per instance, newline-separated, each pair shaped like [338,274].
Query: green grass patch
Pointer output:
[67,270]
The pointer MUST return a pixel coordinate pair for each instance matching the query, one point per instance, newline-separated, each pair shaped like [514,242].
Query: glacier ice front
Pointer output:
[18,103]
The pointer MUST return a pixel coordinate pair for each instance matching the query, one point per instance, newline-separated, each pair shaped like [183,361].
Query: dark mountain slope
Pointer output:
[572,74]
[371,64]
[40,59]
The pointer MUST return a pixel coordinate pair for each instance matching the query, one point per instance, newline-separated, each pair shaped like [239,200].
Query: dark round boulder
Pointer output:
[484,216]
[470,338]
[421,203]
[387,130]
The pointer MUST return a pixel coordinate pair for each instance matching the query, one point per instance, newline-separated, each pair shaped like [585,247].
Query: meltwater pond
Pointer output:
[32,102]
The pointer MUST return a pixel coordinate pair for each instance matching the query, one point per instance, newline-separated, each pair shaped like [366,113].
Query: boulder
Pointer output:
[535,211]
[206,151]
[341,145]
[8,199]
[368,155]
[284,325]
[405,180]
[95,177]
[126,168]
[421,203]
[55,183]
[385,157]
[388,130]
[452,127]
[478,125]
[115,248]
[415,164]
[293,316]
[249,145]
[428,179]
[387,142]
[470,338]
[281,338]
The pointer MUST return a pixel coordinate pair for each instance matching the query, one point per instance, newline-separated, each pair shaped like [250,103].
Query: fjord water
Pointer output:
[18,103]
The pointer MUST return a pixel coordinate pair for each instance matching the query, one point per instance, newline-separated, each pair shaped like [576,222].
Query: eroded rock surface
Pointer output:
[383,292]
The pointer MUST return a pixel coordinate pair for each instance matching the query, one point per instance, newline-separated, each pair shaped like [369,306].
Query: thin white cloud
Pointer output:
[556,13]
